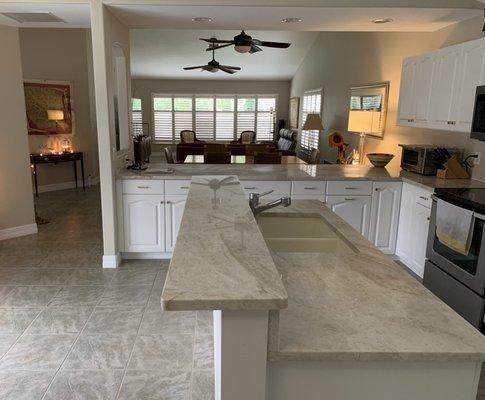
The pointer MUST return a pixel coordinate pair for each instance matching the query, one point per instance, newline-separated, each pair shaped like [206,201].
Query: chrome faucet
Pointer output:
[256,208]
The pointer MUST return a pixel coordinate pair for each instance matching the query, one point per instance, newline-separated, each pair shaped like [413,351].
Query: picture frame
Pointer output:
[49,107]
[294,112]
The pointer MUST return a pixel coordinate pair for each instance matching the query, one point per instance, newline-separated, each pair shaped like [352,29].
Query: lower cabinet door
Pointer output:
[355,210]
[386,200]
[419,238]
[144,223]
[174,210]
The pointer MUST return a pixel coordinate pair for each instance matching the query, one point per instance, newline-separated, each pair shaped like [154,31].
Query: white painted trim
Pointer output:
[64,185]
[16,231]
[111,261]
[146,256]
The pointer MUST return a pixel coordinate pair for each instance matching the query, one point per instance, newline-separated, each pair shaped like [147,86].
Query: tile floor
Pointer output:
[72,330]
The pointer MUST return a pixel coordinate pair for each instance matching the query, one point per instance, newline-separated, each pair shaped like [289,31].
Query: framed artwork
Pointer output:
[294,112]
[49,107]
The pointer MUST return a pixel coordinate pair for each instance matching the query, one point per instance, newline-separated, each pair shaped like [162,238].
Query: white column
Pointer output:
[240,354]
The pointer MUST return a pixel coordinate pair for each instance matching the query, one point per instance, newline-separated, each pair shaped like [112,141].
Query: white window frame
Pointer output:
[309,139]
[236,132]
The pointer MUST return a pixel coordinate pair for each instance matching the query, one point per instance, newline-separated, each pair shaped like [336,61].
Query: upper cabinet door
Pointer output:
[471,74]
[407,107]
[443,87]
[424,76]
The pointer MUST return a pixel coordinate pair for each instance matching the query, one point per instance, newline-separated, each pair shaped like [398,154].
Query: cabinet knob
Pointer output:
[168,202]
[162,202]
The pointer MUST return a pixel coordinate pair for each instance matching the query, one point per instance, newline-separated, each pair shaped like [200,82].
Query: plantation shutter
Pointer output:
[204,117]
[312,104]
[225,118]
[265,118]
[246,117]
[163,119]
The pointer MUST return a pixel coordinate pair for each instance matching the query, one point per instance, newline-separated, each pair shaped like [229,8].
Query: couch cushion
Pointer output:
[284,144]
[287,134]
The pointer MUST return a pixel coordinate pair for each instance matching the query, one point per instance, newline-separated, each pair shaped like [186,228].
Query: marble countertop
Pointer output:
[324,172]
[221,261]
[360,305]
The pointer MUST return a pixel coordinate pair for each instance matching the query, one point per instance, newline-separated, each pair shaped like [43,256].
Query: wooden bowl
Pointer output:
[380,159]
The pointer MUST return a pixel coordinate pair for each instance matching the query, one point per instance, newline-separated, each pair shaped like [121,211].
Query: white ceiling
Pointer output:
[74,15]
[269,18]
[163,53]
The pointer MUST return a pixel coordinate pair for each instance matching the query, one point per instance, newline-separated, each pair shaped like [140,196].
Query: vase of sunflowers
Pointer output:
[336,140]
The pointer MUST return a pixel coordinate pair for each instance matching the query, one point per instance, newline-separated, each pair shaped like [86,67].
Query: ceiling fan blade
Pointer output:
[278,45]
[229,67]
[212,47]
[214,40]
[223,68]
[255,49]
[198,67]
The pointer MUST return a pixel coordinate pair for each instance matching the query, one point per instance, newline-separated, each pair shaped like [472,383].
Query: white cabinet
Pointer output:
[355,210]
[413,227]
[144,222]
[472,74]
[174,210]
[447,62]
[308,190]
[386,201]
[407,107]
[438,88]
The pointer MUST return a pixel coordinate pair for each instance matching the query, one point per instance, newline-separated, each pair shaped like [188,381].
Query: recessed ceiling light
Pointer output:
[382,20]
[291,20]
[202,19]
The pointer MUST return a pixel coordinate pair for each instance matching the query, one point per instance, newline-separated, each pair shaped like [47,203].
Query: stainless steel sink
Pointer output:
[301,233]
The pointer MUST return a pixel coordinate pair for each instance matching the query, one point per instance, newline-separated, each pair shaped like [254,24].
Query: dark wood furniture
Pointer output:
[267,158]
[36,159]
[217,158]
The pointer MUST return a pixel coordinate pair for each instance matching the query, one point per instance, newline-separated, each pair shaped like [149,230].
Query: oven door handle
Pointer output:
[475,214]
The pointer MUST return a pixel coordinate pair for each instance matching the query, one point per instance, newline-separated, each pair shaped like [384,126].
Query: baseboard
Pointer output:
[111,261]
[146,256]
[64,185]
[17,231]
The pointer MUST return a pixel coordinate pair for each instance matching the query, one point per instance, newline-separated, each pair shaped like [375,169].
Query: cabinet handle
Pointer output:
[349,198]
[423,198]
[143,187]
[250,188]
[310,188]
[184,187]
[351,188]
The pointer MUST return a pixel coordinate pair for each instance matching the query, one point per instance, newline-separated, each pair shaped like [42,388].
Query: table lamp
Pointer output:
[55,115]
[313,123]
[363,122]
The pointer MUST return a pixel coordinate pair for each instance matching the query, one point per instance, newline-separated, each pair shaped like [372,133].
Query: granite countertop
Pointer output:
[360,305]
[221,261]
[324,172]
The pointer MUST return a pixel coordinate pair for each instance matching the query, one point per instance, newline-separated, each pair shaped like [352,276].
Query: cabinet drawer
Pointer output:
[178,186]
[143,187]
[308,187]
[423,197]
[278,187]
[353,188]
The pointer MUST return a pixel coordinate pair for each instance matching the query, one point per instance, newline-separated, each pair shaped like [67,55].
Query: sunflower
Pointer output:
[336,140]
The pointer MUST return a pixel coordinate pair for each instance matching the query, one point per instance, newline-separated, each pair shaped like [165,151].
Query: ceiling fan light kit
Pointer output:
[243,43]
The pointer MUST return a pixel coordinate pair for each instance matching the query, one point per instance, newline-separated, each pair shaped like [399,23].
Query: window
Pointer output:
[312,104]
[136,116]
[213,117]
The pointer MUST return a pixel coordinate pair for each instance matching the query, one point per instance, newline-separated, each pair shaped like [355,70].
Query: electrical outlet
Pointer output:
[476,161]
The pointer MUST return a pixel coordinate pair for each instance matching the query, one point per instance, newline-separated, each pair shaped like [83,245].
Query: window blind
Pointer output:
[136,116]
[213,117]
[312,104]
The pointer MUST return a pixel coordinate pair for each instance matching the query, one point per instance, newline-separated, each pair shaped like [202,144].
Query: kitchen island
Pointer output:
[342,323]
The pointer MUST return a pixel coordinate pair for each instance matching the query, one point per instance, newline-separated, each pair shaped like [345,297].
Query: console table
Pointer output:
[58,158]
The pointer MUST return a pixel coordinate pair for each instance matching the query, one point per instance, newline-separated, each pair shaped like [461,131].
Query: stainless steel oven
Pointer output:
[459,280]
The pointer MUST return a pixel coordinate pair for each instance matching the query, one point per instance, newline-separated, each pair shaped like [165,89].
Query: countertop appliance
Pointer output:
[457,279]
[478,121]
[419,158]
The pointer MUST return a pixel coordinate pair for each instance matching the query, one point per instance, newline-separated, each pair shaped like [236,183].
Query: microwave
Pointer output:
[419,158]
[478,120]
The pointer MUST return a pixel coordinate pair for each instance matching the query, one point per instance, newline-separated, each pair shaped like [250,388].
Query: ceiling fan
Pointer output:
[244,43]
[214,66]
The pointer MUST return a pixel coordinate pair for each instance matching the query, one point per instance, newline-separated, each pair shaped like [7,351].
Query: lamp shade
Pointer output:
[312,123]
[55,115]
[364,121]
